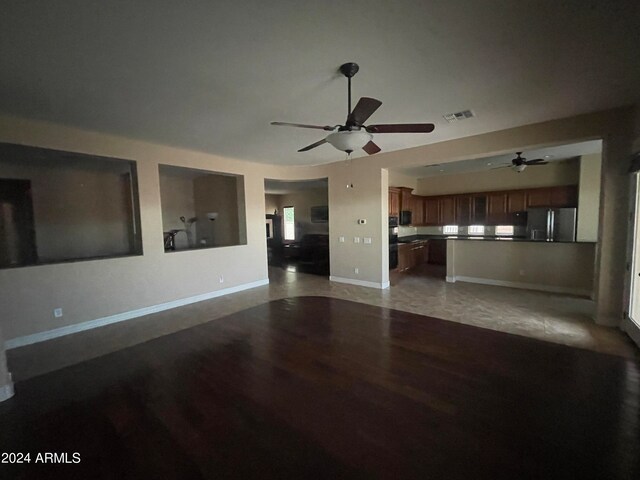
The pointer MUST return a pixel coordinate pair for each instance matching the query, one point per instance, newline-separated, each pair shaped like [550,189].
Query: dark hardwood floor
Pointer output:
[315,387]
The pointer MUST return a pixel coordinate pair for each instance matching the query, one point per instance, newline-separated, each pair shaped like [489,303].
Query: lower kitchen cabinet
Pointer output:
[438,252]
[412,254]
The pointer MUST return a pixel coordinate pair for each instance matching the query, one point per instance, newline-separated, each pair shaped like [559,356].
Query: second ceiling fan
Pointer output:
[354,134]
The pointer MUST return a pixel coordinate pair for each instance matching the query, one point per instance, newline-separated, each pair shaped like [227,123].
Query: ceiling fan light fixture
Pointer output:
[519,168]
[349,140]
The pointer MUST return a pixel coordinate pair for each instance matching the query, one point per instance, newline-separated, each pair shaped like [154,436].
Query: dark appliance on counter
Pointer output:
[405,217]
[551,224]
[393,242]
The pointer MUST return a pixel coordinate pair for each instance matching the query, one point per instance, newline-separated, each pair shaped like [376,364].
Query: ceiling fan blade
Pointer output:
[371,148]
[329,128]
[536,164]
[402,128]
[503,166]
[535,161]
[313,145]
[363,110]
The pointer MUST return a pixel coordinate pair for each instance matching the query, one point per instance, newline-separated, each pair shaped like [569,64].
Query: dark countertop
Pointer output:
[415,238]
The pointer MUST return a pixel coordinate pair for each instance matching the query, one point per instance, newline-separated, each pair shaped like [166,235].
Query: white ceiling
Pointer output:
[211,76]
[550,154]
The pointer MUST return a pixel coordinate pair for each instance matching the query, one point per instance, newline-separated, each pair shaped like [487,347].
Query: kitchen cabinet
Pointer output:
[417,209]
[438,252]
[412,254]
[566,196]
[405,199]
[446,210]
[431,211]
[496,208]
[463,210]
[516,201]
[539,197]
[479,209]
[394,201]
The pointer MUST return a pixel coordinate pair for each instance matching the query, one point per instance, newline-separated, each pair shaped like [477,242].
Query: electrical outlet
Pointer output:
[221,279]
[341,239]
[356,270]
[57,312]
[356,239]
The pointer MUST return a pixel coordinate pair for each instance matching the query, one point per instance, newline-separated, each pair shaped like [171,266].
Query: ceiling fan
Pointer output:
[520,163]
[354,134]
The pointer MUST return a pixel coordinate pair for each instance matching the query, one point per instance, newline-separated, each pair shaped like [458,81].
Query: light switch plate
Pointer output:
[356,239]
[341,239]
[367,240]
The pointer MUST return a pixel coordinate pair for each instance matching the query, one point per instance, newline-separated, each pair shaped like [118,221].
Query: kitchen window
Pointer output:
[506,230]
[289,223]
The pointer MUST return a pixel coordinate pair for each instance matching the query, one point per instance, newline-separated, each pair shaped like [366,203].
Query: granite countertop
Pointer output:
[416,238]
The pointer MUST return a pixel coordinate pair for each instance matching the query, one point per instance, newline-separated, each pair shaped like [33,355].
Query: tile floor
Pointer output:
[551,317]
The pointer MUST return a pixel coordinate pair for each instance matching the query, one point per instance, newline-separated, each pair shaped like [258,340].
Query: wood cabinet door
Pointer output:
[431,211]
[404,256]
[565,196]
[539,197]
[496,208]
[394,202]
[479,209]
[417,217]
[447,210]
[516,201]
[463,210]
[405,199]
[438,252]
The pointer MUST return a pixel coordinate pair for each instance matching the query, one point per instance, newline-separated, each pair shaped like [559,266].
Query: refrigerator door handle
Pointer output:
[552,221]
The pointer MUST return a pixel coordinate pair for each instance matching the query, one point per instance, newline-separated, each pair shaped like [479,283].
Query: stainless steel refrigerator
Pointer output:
[552,224]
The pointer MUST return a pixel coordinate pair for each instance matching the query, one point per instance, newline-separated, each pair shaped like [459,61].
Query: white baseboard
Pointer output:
[121,317]
[450,279]
[522,285]
[6,392]
[360,283]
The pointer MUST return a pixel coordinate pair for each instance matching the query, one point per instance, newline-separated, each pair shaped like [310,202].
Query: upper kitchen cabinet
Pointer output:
[463,210]
[556,197]
[447,210]
[516,201]
[417,210]
[566,196]
[479,209]
[405,199]
[394,201]
[496,208]
[431,211]
[539,197]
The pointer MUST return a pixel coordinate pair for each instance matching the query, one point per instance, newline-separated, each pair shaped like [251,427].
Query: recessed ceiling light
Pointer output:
[489,163]
[442,170]
[548,156]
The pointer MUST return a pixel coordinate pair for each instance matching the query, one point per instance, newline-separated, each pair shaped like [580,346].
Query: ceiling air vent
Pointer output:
[454,117]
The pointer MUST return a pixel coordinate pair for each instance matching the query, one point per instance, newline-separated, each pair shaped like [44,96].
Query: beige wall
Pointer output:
[217,193]
[89,290]
[589,198]
[556,173]
[271,203]
[93,289]
[303,201]
[80,210]
[397,179]
[177,198]
[564,267]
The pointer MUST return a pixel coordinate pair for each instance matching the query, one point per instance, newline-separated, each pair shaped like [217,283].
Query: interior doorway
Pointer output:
[297,225]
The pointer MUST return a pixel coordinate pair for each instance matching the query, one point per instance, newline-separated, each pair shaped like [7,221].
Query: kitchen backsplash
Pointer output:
[489,231]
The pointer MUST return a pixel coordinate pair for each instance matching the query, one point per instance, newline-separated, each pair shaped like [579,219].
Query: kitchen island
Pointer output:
[562,267]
